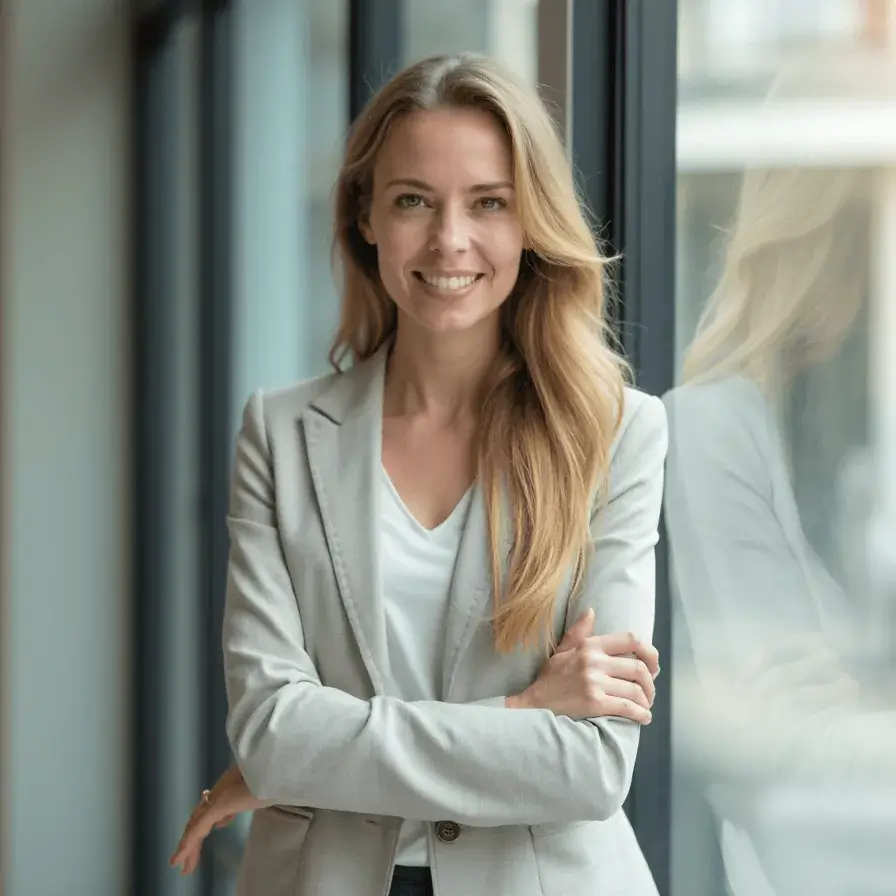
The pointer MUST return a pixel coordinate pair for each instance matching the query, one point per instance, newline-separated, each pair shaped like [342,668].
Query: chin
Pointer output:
[454,321]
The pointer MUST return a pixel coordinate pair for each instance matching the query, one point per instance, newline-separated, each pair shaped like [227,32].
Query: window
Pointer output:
[777,483]
[505,29]
[291,114]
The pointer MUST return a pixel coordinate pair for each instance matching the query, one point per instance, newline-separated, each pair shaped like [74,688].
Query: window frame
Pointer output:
[376,38]
[624,106]
[159,717]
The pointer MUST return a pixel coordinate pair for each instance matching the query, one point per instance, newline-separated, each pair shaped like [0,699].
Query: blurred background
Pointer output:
[165,184]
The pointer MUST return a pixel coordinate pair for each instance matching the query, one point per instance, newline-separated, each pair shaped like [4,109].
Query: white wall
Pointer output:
[65,480]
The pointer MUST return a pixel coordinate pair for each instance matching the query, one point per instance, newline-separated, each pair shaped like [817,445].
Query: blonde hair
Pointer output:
[554,395]
[789,289]
[788,292]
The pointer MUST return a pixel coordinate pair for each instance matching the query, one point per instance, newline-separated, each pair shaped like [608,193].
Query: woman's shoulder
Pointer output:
[287,402]
[643,416]
[297,396]
[643,431]
[730,410]
[733,392]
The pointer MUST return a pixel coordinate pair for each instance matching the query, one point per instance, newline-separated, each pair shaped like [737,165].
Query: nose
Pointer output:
[451,231]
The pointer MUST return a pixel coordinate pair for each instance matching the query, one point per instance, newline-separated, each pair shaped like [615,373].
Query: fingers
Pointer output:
[198,828]
[189,850]
[581,633]
[626,644]
[816,668]
[582,628]
[191,860]
[633,671]
[783,647]
[650,656]
[620,707]
[627,690]
[842,692]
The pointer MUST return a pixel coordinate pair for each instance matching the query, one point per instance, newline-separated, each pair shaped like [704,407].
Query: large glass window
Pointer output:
[780,475]
[291,86]
[505,29]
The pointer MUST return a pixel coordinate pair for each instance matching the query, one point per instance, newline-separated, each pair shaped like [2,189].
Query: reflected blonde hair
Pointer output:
[553,398]
[789,289]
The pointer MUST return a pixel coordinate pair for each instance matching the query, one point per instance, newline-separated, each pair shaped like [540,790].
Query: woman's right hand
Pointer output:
[218,807]
[595,675]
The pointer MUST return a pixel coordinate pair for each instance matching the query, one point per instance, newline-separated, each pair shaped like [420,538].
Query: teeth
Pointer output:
[449,282]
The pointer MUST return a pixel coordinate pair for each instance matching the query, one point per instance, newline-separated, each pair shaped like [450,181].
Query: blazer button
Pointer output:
[448,831]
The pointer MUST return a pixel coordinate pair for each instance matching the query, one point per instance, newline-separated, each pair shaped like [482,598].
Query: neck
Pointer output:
[439,375]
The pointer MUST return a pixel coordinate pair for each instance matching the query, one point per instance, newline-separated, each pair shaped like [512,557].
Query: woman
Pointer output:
[412,537]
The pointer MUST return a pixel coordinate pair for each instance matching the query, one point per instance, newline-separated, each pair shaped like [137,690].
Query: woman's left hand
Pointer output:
[218,807]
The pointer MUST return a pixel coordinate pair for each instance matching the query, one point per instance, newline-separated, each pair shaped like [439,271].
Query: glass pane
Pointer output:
[781,470]
[505,29]
[291,116]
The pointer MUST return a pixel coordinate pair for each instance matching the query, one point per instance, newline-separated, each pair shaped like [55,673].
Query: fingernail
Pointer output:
[657,673]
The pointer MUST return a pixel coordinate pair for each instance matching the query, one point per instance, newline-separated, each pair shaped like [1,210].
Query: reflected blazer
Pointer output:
[521,802]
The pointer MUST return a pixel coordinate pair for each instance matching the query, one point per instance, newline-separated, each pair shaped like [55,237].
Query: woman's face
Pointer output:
[444,219]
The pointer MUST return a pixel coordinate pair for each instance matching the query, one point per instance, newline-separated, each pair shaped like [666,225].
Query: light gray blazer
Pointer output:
[521,802]
[742,567]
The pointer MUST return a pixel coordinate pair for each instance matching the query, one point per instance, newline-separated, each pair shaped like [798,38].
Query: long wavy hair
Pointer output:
[791,283]
[553,397]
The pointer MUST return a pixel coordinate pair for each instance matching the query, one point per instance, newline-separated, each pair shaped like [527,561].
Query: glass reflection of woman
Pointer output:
[764,430]
[441,581]
[771,406]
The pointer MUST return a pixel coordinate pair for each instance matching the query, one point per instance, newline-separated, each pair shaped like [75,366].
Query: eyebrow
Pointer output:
[476,188]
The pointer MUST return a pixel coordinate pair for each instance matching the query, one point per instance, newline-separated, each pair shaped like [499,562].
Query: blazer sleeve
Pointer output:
[742,590]
[736,576]
[301,743]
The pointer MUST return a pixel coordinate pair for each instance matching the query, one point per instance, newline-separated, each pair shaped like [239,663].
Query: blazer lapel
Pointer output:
[470,601]
[343,428]
[344,433]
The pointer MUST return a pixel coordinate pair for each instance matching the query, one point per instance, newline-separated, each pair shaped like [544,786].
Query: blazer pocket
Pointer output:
[273,851]
[294,811]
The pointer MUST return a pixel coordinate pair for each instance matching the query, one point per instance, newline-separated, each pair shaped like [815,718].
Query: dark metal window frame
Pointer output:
[150,316]
[216,308]
[624,116]
[5,110]
[376,35]
[152,319]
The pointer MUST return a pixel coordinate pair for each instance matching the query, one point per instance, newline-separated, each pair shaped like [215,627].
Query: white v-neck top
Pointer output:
[417,566]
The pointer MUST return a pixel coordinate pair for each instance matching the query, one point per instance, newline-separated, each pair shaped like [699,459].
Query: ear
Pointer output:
[366,229]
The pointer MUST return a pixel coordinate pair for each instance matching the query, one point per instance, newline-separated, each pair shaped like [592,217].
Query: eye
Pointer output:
[409,200]
[492,203]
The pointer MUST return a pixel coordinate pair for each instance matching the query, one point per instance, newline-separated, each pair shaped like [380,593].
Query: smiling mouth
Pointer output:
[448,283]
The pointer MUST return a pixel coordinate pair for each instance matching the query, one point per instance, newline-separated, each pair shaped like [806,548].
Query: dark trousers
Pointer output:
[411,882]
